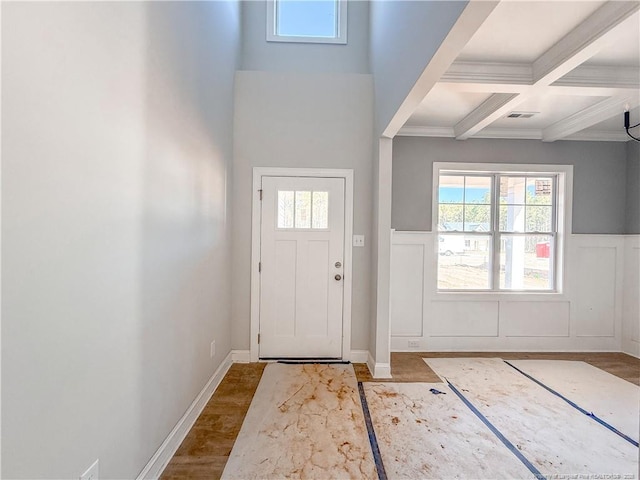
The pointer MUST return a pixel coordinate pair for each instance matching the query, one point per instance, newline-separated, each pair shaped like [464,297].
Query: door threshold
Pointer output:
[303,361]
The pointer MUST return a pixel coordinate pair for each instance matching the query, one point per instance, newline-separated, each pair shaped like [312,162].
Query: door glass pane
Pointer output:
[303,210]
[526,262]
[320,217]
[285,209]
[464,262]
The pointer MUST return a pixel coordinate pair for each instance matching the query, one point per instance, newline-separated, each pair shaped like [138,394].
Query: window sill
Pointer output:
[516,296]
[317,40]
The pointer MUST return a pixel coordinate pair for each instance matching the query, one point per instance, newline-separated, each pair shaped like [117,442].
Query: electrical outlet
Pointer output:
[212,351]
[414,344]
[358,240]
[92,472]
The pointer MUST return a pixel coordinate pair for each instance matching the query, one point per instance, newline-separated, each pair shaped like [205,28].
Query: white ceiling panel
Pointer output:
[575,64]
[444,107]
[624,48]
[521,31]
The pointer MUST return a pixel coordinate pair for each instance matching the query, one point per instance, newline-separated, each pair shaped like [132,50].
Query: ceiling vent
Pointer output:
[522,114]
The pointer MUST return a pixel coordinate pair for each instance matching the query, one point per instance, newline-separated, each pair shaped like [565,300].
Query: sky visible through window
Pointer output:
[307,18]
[455,194]
[473,195]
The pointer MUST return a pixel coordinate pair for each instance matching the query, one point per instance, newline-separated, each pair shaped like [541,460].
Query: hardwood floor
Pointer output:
[205,450]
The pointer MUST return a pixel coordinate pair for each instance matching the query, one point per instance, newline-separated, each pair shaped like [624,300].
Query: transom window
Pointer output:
[303,210]
[307,21]
[497,231]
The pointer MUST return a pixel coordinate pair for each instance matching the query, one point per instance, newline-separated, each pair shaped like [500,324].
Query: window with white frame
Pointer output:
[498,228]
[307,21]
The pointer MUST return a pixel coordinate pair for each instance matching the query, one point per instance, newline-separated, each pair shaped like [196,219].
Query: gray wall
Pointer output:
[258,54]
[632,224]
[404,37]
[301,120]
[302,105]
[599,176]
[117,127]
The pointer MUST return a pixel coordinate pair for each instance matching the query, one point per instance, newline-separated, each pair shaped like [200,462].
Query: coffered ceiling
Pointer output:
[549,70]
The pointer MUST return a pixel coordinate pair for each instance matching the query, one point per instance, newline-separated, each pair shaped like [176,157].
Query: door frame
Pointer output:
[256,233]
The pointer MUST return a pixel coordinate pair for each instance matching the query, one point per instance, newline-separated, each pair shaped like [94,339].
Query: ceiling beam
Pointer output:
[488,112]
[580,44]
[472,17]
[589,117]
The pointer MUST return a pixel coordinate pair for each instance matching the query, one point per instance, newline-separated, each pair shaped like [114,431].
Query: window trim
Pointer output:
[563,212]
[341,39]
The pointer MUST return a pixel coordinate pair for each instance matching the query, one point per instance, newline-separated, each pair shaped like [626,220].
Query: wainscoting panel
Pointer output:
[599,275]
[463,319]
[596,283]
[535,319]
[631,297]
[407,287]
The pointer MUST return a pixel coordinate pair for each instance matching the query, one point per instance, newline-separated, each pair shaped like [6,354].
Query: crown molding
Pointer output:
[601,76]
[587,118]
[598,136]
[489,73]
[512,134]
[424,131]
[591,80]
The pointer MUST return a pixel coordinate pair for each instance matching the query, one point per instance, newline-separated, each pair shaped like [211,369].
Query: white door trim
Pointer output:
[347,175]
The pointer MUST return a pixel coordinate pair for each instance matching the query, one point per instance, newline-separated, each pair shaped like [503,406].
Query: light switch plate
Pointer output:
[358,240]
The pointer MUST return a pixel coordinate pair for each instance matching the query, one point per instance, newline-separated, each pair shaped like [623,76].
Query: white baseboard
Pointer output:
[163,455]
[378,370]
[371,364]
[240,356]
[382,370]
[359,356]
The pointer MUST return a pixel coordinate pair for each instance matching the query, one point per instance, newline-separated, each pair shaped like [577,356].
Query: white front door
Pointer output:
[301,267]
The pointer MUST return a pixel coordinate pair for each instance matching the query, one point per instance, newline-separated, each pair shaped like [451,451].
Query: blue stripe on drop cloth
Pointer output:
[382,474]
[498,434]
[591,415]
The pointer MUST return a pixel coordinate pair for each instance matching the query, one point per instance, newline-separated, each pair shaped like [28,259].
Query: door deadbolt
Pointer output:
[338,264]
[338,277]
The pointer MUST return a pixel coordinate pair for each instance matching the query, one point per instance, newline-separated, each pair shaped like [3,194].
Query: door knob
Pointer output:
[338,277]
[338,264]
